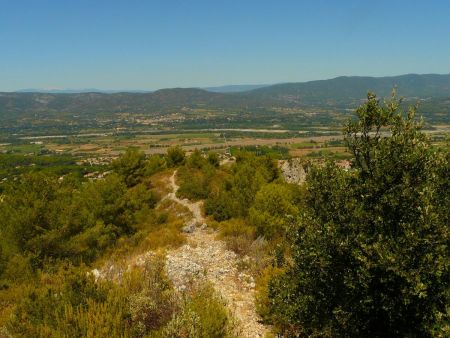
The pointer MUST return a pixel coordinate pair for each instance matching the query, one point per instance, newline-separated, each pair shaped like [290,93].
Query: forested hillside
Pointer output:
[346,90]
[341,92]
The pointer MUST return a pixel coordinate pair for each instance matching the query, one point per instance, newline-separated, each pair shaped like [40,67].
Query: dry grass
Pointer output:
[164,237]
[160,182]
[8,299]
[237,235]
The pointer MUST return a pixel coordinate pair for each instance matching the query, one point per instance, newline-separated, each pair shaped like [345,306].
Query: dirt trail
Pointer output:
[194,207]
[205,257]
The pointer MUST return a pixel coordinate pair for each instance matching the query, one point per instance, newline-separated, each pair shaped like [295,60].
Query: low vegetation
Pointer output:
[360,251]
[53,228]
[71,303]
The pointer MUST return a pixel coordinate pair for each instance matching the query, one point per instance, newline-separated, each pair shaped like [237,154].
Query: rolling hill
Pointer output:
[340,92]
[346,89]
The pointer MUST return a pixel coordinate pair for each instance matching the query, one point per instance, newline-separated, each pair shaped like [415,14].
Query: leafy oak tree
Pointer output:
[371,255]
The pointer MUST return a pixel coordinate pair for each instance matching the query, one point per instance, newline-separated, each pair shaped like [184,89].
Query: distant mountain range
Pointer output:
[348,88]
[234,88]
[77,91]
[341,92]
[218,89]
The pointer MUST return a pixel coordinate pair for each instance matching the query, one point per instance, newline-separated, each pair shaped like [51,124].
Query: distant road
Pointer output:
[440,129]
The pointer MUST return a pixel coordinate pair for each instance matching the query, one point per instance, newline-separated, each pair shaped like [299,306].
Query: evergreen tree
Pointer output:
[371,256]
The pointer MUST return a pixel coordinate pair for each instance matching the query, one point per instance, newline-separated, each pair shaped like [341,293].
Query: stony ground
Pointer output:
[203,258]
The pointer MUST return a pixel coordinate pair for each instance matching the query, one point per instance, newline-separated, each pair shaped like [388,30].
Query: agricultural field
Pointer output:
[319,143]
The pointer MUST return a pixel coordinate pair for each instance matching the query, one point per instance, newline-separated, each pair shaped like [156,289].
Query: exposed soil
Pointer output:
[205,257]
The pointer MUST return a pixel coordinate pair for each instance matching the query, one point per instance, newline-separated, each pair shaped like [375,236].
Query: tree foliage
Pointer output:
[238,191]
[51,227]
[43,217]
[130,166]
[273,209]
[175,156]
[371,255]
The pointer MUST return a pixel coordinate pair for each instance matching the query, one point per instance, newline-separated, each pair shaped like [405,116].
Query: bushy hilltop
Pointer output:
[351,252]
[340,92]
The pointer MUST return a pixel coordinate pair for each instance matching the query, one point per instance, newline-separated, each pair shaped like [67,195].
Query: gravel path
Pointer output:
[203,258]
[206,258]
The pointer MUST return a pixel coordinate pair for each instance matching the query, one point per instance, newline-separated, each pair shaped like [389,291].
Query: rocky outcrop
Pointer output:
[293,170]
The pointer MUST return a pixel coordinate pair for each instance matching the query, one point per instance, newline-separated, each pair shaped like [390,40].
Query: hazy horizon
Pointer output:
[137,90]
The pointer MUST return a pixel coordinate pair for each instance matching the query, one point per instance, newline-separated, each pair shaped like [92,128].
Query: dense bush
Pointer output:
[221,206]
[133,166]
[213,159]
[195,177]
[273,210]
[43,217]
[71,304]
[175,156]
[371,254]
[130,166]
[238,191]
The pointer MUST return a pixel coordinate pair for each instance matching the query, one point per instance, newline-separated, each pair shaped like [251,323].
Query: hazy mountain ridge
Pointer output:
[78,91]
[235,88]
[340,92]
[356,87]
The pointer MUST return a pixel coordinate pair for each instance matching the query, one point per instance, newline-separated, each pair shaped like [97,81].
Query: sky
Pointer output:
[146,45]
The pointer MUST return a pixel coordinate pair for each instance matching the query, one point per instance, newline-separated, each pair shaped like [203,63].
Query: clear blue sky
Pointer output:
[152,44]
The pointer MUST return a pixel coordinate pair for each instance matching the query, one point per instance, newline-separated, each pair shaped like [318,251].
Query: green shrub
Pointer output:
[195,177]
[154,164]
[237,193]
[70,303]
[213,159]
[371,253]
[131,166]
[273,210]
[262,299]
[221,207]
[193,184]
[184,325]
[154,302]
[19,269]
[45,217]
[196,160]
[74,305]
[204,315]
[175,156]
